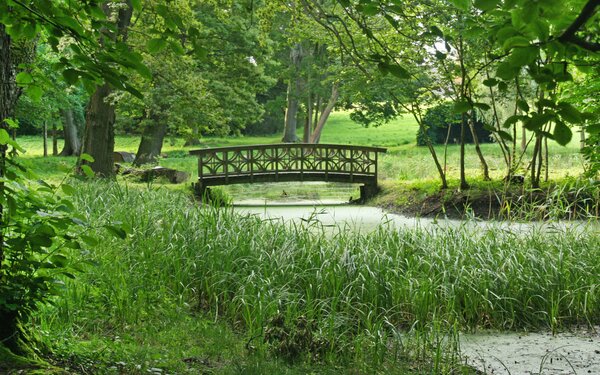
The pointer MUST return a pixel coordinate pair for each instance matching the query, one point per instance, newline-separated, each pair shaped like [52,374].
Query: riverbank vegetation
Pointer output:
[201,289]
[408,183]
[478,102]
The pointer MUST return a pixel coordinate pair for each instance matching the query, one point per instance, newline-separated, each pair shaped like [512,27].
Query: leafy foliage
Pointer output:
[40,229]
[438,119]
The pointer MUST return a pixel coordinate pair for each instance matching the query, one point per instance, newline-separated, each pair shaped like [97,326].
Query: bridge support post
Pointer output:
[200,191]
[368,191]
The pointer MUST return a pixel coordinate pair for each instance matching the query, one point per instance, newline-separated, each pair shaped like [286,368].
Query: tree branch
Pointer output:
[569,35]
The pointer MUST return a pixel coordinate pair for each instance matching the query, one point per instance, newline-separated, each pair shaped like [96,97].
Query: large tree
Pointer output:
[99,137]
[74,26]
[404,38]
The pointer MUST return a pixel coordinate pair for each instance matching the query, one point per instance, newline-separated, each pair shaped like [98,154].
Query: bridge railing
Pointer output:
[245,163]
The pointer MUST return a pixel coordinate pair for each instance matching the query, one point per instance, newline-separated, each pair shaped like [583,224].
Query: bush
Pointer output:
[273,120]
[439,118]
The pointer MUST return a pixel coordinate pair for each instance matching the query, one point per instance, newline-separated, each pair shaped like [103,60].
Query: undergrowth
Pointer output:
[388,299]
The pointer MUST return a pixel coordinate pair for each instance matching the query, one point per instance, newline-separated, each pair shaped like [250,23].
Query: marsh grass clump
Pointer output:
[334,297]
[292,340]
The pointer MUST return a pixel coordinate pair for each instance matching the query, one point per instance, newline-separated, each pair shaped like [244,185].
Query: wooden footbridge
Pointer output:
[288,162]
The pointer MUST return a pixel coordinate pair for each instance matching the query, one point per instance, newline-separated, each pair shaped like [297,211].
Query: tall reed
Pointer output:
[363,294]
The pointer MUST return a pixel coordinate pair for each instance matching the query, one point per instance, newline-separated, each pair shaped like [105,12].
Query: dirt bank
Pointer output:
[492,201]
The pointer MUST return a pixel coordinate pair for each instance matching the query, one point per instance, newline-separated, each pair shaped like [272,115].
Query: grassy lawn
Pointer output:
[404,163]
[201,290]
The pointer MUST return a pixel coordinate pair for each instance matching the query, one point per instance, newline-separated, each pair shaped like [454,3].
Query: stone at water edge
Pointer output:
[123,157]
[174,176]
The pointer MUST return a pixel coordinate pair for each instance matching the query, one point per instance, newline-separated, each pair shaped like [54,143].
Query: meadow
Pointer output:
[196,289]
[405,166]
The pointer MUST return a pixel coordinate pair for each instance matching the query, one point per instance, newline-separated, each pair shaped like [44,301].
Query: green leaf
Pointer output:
[24,78]
[569,113]
[515,41]
[522,105]
[68,189]
[482,106]
[59,260]
[461,106]
[398,71]
[436,31]
[156,45]
[12,123]
[4,136]
[71,76]
[461,4]
[593,128]
[39,240]
[136,4]
[87,171]
[368,9]
[116,231]
[562,133]
[536,122]
[177,48]
[490,82]
[34,92]
[486,4]
[89,240]
[87,157]
[539,29]
[506,71]
[506,32]
[505,135]
[512,120]
[30,30]
[523,56]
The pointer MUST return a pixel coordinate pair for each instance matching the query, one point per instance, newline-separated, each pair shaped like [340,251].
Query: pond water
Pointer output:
[332,214]
[533,353]
[491,353]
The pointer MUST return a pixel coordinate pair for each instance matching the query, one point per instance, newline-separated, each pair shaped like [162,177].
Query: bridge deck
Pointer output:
[287,162]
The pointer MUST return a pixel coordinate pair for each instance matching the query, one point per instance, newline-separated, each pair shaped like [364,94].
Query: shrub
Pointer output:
[439,118]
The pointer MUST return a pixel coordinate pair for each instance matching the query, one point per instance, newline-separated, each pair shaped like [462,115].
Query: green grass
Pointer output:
[194,282]
[197,289]
[404,161]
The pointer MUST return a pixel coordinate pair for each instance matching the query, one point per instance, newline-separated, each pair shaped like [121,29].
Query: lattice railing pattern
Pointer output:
[282,158]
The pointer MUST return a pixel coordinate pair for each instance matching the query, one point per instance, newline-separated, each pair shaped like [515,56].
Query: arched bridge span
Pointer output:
[288,162]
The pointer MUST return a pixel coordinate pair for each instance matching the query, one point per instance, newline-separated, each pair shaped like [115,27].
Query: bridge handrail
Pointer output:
[285,160]
[212,150]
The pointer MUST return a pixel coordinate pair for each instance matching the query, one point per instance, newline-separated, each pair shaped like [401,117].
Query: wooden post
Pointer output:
[45,135]
[54,140]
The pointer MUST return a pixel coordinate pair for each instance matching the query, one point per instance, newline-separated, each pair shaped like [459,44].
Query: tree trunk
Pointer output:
[546,160]
[308,123]
[441,171]
[99,141]
[291,113]
[9,93]
[316,136]
[484,165]
[151,143]
[535,181]
[45,138]
[99,137]
[463,180]
[72,144]
[54,139]
[194,139]
[293,93]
